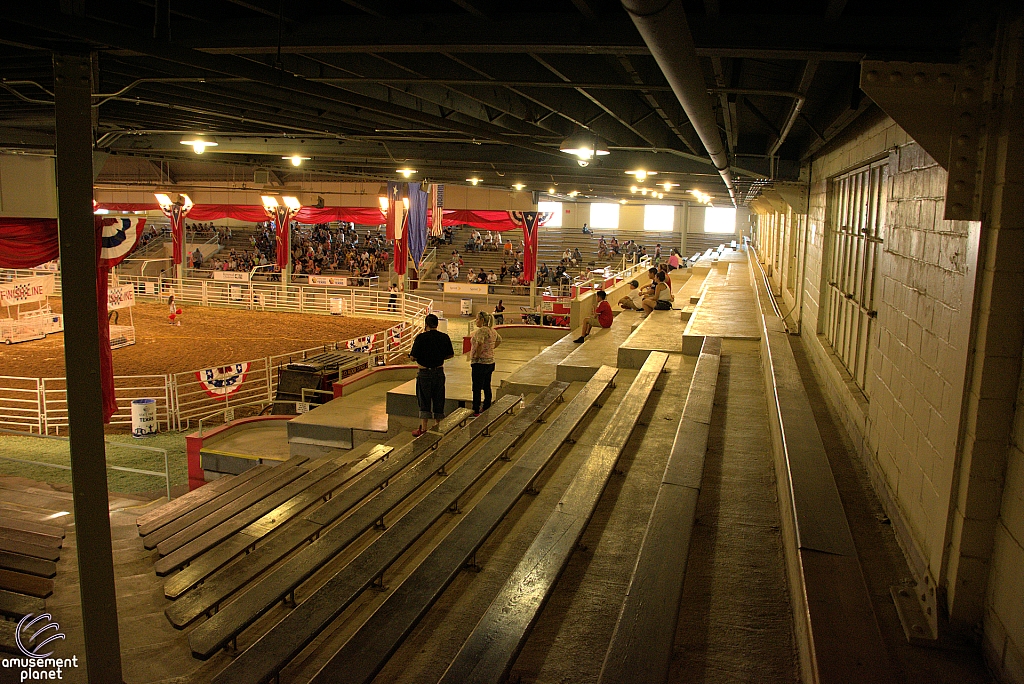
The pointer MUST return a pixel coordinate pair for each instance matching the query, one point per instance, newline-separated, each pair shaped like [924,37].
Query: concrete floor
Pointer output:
[736,624]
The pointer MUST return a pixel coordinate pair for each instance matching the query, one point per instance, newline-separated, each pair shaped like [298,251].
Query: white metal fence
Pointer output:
[39,405]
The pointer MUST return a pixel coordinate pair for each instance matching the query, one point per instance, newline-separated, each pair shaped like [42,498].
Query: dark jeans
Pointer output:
[430,392]
[482,383]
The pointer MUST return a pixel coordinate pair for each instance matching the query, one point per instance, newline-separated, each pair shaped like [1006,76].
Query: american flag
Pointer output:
[436,209]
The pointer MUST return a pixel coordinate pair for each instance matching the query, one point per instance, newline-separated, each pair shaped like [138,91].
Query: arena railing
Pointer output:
[41,404]
[20,406]
[53,397]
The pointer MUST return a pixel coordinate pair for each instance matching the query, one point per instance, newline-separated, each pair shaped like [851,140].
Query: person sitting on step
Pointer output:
[661,300]
[602,317]
[633,301]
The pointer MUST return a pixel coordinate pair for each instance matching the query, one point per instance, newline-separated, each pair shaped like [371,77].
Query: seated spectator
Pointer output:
[633,301]
[661,299]
[673,260]
[602,317]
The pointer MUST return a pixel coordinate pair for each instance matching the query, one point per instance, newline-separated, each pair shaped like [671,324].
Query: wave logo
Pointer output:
[37,640]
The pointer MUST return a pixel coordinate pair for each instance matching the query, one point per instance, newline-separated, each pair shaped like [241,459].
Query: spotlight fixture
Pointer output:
[585,145]
[574,193]
[633,189]
[622,201]
[295,159]
[292,202]
[583,162]
[199,144]
[474,180]
[551,191]
[643,191]
[518,186]
[641,174]
[668,185]
[406,172]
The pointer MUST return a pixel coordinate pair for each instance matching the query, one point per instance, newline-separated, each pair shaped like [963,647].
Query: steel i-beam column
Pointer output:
[72,95]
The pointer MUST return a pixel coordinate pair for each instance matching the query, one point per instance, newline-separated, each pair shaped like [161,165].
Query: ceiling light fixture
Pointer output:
[585,145]
[641,174]
[296,160]
[406,172]
[574,193]
[551,191]
[622,201]
[199,144]
[701,197]
[633,189]
[668,185]
[474,180]
[518,186]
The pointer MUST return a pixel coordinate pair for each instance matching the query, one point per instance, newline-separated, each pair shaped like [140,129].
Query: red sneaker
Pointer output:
[418,432]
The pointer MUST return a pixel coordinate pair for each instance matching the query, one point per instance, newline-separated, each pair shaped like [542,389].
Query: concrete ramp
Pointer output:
[600,349]
[541,371]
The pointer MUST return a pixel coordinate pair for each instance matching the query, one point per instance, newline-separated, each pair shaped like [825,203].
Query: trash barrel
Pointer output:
[143,417]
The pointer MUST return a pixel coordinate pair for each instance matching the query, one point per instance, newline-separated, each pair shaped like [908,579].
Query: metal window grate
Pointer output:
[856,231]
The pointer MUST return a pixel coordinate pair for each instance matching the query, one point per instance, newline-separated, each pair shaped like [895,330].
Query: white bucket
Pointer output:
[143,417]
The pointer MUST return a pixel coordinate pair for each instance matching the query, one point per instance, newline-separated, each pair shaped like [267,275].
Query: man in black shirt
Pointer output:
[430,350]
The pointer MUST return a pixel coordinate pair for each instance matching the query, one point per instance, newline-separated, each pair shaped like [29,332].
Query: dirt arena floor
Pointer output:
[207,337]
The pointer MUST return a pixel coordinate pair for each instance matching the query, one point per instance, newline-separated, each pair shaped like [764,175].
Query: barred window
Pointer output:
[855,232]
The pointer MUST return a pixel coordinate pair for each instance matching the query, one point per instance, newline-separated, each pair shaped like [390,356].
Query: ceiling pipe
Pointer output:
[664,28]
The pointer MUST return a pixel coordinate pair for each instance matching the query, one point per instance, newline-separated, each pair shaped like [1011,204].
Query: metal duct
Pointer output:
[664,28]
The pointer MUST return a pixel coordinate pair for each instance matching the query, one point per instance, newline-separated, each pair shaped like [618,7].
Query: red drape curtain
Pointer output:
[26,242]
[364,216]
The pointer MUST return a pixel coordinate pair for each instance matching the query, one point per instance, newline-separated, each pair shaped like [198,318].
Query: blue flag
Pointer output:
[418,201]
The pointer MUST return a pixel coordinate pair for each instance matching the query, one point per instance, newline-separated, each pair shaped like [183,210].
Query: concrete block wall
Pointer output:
[905,420]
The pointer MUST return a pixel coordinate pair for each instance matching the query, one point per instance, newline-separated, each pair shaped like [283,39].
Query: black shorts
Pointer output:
[430,392]
[662,305]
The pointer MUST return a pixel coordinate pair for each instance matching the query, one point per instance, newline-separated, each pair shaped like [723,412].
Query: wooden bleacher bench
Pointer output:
[367,651]
[260,519]
[16,606]
[265,658]
[49,553]
[175,508]
[217,527]
[281,478]
[34,538]
[37,528]
[227,623]
[29,585]
[228,549]
[266,473]
[641,647]
[27,564]
[490,650]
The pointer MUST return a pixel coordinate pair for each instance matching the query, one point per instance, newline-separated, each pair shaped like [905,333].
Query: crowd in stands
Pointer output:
[315,249]
[451,271]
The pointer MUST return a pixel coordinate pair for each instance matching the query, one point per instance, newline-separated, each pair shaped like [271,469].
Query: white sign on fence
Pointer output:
[237,276]
[120,297]
[25,290]
[465,288]
[328,280]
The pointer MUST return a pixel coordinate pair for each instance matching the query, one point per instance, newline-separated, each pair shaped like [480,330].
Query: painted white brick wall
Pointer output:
[907,431]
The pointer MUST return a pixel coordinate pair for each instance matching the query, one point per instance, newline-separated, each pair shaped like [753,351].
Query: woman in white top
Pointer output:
[661,298]
[483,342]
